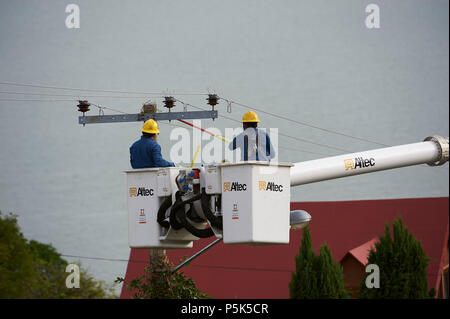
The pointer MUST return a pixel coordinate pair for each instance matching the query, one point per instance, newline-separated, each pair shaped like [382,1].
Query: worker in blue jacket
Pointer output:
[146,152]
[255,144]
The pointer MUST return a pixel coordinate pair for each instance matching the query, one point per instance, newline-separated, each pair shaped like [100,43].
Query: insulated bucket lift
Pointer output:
[246,202]
[243,203]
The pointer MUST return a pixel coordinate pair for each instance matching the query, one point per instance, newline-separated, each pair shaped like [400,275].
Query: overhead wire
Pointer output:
[239,268]
[77,95]
[147,262]
[101,107]
[281,134]
[35,100]
[229,101]
[185,93]
[102,258]
[304,123]
[108,108]
[223,139]
[231,119]
[96,90]
[190,124]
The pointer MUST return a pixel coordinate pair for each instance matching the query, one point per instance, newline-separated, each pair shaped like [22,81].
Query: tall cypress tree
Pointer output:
[316,276]
[403,266]
[303,281]
[331,276]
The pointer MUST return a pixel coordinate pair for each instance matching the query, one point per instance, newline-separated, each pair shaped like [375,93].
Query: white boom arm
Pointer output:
[433,151]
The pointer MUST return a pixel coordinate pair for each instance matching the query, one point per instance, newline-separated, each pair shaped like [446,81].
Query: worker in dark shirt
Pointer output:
[146,152]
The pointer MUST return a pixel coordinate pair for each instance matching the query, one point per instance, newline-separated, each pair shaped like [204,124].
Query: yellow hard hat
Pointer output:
[150,126]
[250,116]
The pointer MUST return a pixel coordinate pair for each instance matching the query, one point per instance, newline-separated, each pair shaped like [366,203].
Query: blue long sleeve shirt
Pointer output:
[255,145]
[145,153]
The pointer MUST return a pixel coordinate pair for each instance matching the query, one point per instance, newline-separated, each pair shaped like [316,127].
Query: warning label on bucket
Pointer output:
[235,213]
[142,219]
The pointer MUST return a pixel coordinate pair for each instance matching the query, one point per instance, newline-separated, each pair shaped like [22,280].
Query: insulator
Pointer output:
[149,108]
[169,102]
[83,106]
[212,99]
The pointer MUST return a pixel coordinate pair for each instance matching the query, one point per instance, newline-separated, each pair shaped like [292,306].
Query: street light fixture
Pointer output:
[299,219]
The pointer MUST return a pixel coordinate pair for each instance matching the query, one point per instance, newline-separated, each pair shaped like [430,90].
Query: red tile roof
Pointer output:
[361,253]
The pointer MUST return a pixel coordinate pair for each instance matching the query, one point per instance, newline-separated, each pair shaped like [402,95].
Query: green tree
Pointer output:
[403,266]
[316,276]
[159,282]
[16,261]
[303,282]
[331,276]
[30,269]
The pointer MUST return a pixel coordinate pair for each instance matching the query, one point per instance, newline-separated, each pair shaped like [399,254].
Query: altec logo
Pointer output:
[234,186]
[358,162]
[269,186]
[141,191]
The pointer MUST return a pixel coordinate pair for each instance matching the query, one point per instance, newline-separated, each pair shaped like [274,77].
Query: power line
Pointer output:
[239,268]
[36,100]
[104,259]
[187,104]
[181,93]
[304,123]
[193,265]
[281,134]
[94,90]
[290,271]
[301,151]
[315,143]
[101,107]
[231,119]
[78,95]
[129,92]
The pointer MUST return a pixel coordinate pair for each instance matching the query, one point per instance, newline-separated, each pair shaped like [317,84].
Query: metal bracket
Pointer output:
[96,119]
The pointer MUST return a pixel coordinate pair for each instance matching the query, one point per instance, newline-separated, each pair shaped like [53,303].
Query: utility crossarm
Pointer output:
[148,112]
[433,151]
[167,116]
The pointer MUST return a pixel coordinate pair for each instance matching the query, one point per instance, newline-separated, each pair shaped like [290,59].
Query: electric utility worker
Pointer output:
[255,144]
[146,152]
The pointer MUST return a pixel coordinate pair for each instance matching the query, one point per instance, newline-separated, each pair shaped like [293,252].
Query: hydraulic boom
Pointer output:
[433,151]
